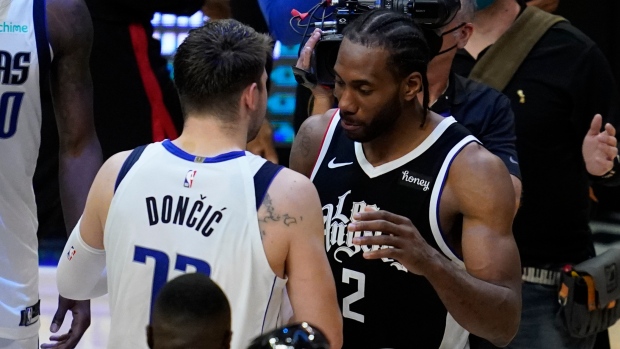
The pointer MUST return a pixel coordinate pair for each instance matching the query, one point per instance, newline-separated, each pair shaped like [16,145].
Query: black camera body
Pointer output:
[429,14]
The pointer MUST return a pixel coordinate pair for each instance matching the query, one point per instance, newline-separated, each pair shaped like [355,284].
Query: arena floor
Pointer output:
[96,336]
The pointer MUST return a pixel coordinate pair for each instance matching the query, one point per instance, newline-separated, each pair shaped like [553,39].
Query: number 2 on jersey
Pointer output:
[162,264]
[348,274]
[10,103]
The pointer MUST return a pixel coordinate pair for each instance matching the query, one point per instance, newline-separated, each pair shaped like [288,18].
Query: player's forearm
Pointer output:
[80,160]
[487,310]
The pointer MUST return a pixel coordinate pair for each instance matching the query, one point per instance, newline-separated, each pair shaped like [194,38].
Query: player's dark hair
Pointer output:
[215,63]
[192,296]
[401,37]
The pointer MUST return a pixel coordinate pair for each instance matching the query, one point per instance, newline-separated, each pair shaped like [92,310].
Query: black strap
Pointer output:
[40,33]
[30,315]
[128,164]
[262,180]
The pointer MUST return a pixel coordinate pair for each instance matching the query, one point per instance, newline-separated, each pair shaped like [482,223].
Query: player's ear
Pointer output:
[251,96]
[412,86]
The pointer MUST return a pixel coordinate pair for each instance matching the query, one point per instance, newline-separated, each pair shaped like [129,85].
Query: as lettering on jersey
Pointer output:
[197,215]
[338,239]
[14,69]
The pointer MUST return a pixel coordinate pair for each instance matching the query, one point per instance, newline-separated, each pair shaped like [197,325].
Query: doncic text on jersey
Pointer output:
[199,216]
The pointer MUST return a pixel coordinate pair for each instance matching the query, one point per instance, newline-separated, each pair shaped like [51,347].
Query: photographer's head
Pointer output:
[380,69]
[190,311]
[219,71]
[457,32]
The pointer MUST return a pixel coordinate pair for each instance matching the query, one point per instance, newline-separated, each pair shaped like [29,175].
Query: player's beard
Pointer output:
[381,122]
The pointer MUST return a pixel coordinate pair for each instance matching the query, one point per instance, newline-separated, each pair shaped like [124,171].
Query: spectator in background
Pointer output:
[555,93]
[190,311]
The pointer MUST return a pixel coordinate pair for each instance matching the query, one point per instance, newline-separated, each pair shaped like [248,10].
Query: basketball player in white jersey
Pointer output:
[42,44]
[417,213]
[201,203]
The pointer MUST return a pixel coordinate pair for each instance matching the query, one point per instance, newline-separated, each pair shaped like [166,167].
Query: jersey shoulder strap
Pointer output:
[262,180]
[128,164]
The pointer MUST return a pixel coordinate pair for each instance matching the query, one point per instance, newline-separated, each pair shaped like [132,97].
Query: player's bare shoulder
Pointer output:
[288,198]
[307,143]
[476,160]
[477,175]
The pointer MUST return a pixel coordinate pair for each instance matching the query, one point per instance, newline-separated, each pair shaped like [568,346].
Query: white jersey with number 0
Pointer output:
[22,30]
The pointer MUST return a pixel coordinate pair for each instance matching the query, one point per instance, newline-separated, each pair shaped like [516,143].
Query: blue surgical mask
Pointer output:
[482,4]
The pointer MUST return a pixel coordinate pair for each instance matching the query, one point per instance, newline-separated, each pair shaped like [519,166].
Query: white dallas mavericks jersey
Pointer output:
[171,215]
[24,58]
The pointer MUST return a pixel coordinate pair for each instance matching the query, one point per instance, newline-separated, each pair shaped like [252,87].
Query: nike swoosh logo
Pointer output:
[332,164]
[513,160]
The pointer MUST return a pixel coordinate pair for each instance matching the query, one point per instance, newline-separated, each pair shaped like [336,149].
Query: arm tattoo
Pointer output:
[288,220]
[271,215]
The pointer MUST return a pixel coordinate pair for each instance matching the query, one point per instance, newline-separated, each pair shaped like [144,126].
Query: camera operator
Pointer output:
[563,95]
[483,110]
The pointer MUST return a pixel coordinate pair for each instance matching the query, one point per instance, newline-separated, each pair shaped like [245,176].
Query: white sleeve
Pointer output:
[81,272]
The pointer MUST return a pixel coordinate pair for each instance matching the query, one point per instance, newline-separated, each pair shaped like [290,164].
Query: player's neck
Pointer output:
[407,133]
[209,136]
[491,23]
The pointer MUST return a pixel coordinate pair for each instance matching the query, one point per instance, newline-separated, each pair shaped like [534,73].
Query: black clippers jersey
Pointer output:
[383,305]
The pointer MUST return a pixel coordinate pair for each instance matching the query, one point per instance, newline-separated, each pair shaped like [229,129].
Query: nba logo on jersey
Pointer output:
[71,253]
[189,178]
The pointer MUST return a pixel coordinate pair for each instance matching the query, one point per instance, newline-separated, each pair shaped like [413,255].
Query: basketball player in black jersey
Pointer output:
[417,213]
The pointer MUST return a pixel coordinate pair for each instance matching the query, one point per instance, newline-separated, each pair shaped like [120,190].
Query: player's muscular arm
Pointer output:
[71,34]
[307,143]
[486,299]
[292,223]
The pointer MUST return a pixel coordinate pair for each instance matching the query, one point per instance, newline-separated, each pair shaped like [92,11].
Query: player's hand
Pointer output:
[400,239]
[262,145]
[599,148]
[80,323]
[320,92]
[546,5]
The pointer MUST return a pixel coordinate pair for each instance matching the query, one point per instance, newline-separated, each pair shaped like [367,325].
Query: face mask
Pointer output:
[448,32]
[482,4]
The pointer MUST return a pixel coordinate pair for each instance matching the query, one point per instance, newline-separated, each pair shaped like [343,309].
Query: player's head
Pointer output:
[190,312]
[294,336]
[381,67]
[219,70]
